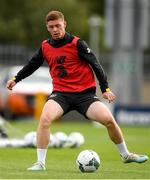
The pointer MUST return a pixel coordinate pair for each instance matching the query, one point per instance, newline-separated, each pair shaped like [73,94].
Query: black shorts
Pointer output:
[79,101]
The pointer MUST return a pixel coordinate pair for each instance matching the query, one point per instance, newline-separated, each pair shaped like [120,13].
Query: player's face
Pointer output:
[56,28]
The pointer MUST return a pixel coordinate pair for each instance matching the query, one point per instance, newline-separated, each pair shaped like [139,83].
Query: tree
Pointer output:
[24,21]
[95,6]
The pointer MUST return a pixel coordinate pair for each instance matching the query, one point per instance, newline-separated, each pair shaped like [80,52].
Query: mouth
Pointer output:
[56,34]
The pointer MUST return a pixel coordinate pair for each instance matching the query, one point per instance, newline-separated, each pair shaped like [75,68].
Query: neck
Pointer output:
[58,43]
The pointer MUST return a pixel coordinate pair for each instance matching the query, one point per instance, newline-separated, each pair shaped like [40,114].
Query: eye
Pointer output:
[50,27]
[58,25]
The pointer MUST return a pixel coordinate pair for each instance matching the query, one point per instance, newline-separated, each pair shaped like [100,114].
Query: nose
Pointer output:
[55,29]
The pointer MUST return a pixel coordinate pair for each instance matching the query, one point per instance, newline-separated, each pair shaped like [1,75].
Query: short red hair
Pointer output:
[54,15]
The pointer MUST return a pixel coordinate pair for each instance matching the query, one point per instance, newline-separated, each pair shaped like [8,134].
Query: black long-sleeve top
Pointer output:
[84,53]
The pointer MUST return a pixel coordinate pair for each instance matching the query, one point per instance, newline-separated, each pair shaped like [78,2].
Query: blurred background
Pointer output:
[118,32]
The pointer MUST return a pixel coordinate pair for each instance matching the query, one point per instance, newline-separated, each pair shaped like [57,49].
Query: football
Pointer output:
[75,139]
[58,139]
[88,161]
[30,139]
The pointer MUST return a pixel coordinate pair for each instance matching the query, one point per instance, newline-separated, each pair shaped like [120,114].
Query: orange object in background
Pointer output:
[18,104]
[40,99]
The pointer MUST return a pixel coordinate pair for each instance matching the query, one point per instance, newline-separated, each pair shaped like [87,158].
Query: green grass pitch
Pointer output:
[61,164]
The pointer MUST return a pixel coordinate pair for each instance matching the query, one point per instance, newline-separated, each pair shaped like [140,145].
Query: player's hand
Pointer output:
[10,84]
[109,96]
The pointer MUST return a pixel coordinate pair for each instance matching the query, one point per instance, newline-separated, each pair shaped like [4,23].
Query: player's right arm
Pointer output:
[33,64]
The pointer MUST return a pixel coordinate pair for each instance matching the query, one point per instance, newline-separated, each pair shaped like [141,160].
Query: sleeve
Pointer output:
[86,54]
[33,64]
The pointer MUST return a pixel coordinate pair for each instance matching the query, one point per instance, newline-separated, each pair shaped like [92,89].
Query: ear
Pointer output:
[65,24]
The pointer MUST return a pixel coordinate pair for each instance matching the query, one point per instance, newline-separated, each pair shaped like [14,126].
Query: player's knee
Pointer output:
[109,121]
[45,121]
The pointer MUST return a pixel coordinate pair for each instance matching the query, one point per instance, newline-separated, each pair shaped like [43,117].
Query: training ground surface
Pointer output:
[61,162]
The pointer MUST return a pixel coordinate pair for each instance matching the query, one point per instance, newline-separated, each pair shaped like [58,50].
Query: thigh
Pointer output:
[51,111]
[61,99]
[99,112]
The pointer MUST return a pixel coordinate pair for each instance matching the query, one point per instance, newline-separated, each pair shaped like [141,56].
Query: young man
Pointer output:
[71,64]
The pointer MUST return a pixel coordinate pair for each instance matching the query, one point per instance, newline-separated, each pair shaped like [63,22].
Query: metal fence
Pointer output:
[14,55]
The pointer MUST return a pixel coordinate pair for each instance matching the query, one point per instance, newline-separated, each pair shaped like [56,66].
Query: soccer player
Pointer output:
[71,63]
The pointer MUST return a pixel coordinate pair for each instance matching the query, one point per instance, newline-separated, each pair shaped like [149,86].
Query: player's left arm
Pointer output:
[86,53]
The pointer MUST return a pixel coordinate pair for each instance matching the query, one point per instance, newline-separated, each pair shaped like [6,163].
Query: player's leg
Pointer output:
[100,113]
[51,111]
[97,111]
